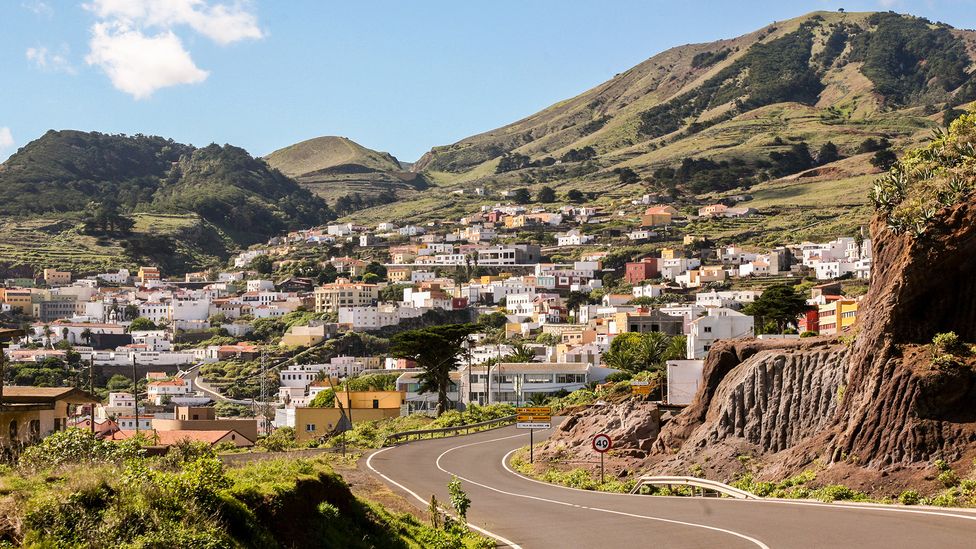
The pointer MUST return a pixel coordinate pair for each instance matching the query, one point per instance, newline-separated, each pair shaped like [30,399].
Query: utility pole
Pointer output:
[135,390]
[91,388]
[264,394]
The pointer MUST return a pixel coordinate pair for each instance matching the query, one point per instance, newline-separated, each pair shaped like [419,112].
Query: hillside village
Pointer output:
[231,355]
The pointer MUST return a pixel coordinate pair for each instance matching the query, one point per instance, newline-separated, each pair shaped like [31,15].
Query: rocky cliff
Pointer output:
[873,409]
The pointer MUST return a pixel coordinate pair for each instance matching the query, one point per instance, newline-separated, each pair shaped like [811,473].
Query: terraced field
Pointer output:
[31,245]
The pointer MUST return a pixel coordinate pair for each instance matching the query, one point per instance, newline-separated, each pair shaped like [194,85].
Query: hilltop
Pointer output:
[347,174]
[86,199]
[777,111]
[330,154]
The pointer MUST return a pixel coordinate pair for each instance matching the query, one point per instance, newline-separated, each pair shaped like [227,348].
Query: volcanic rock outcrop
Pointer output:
[882,401]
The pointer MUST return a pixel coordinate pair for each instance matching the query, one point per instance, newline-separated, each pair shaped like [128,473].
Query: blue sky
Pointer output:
[400,76]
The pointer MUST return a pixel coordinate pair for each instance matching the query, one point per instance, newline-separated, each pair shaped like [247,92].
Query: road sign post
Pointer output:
[641,388]
[602,443]
[532,418]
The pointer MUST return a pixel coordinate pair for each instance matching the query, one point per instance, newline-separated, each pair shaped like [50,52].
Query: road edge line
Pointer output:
[496,537]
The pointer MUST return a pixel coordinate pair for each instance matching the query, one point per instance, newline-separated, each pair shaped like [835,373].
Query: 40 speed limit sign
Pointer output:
[601,443]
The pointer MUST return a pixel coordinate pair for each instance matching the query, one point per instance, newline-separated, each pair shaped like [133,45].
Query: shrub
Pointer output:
[459,499]
[78,446]
[949,343]
[948,478]
[909,497]
[280,440]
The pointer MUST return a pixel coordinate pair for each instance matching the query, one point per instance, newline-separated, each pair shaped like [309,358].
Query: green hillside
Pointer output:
[814,97]
[329,153]
[81,200]
[346,174]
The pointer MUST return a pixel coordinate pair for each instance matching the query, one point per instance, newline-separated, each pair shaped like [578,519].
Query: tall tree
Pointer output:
[437,351]
[546,195]
[779,304]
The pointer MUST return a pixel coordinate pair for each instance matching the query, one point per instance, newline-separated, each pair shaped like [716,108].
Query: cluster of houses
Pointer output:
[680,291]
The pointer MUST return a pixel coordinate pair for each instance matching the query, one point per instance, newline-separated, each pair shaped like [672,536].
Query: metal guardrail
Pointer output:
[404,436]
[694,482]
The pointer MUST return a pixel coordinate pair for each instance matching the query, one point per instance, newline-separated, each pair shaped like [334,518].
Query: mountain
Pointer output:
[346,173]
[754,112]
[101,198]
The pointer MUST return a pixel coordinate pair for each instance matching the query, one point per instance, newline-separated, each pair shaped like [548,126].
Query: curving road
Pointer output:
[521,512]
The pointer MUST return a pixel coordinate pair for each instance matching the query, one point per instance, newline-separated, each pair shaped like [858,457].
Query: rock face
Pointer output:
[632,425]
[881,405]
[872,412]
[901,409]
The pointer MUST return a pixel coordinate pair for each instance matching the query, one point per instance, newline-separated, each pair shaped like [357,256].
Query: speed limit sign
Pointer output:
[601,443]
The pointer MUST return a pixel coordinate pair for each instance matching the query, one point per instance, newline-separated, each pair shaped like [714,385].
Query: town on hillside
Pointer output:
[295,333]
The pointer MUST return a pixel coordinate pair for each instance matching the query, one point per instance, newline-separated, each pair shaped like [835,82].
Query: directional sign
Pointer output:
[533,417]
[641,388]
[601,443]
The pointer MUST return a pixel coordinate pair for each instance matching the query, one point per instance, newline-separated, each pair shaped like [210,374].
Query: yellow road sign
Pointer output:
[642,390]
[533,411]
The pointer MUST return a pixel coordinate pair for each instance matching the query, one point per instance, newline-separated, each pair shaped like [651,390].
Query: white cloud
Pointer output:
[138,64]
[46,60]
[38,8]
[222,23]
[135,44]
[6,138]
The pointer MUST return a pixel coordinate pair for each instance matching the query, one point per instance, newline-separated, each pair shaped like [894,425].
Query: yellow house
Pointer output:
[671,253]
[311,423]
[147,274]
[19,299]
[305,336]
[837,316]
[398,274]
[373,400]
[488,279]
[54,277]
[28,414]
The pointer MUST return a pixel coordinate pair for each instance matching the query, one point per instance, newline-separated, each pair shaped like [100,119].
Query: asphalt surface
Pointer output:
[521,512]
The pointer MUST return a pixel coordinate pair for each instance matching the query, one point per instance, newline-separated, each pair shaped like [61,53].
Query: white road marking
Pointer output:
[369,464]
[965,514]
[597,509]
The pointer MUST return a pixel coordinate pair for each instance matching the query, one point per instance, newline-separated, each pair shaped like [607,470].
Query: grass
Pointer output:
[951,491]
[47,242]
[372,434]
[188,499]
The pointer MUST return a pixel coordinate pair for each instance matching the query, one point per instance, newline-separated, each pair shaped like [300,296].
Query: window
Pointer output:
[708,329]
[309,427]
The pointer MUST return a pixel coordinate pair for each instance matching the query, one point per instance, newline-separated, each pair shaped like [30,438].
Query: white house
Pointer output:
[573,238]
[715,298]
[160,391]
[718,323]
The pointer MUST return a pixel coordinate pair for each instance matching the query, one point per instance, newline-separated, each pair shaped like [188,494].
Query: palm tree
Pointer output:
[47,335]
[86,336]
[520,353]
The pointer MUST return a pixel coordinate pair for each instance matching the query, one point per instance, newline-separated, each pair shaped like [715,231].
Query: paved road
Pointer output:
[521,512]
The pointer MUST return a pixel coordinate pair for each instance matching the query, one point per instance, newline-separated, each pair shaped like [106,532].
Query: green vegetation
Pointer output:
[101,180]
[372,434]
[643,352]
[74,491]
[778,308]
[935,176]
[436,350]
[768,73]
[908,58]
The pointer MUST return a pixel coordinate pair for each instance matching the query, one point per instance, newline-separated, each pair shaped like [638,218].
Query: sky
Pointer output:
[397,76]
